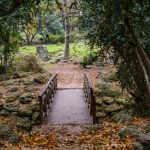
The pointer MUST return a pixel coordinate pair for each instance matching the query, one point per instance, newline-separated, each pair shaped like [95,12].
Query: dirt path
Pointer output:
[71,76]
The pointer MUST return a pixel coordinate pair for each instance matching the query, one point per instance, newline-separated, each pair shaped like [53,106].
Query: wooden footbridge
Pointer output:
[67,106]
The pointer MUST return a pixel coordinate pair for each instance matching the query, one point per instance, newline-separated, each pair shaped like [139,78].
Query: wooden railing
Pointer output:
[90,97]
[46,95]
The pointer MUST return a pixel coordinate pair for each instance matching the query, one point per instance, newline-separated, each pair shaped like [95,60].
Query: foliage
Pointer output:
[89,59]
[28,63]
[77,50]
[54,39]
[9,45]
[124,26]
[12,15]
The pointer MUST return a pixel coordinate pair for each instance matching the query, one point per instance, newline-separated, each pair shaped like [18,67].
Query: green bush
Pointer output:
[28,63]
[54,39]
[89,59]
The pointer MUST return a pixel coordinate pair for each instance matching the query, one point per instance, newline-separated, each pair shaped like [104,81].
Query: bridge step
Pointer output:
[69,107]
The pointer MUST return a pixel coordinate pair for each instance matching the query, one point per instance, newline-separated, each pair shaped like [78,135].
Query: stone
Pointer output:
[121,116]
[129,131]
[24,123]
[11,107]
[99,109]
[34,107]
[25,112]
[105,89]
[13,98]
[35,116]
[142,142]
[101,114]
[42,52]
[14,89]
[16,75]
[99,102]
[108,100]
[145,139]
[97,92]
[5,113]
[40,79]
[7,133]
[1,106]
[111,77]
[138,146]
[113,108]
[26,99]
[121,101]
[29,89]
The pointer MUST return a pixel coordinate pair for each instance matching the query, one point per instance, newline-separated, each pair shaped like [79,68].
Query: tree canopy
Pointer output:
[123,26]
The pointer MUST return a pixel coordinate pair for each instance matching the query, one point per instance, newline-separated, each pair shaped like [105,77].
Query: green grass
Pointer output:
[76,49]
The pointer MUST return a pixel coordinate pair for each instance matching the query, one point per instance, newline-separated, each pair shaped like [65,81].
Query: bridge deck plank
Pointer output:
[69,107]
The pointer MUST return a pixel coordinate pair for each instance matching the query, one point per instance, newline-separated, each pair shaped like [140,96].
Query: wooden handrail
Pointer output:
[46,95]
[90,97]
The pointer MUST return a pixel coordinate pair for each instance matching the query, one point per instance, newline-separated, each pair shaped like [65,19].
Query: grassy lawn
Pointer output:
[76,49]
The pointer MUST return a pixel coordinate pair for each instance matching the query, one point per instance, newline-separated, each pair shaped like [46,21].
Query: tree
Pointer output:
[17,13]
[30,31]
[48,21]
[125,27]
[65,7]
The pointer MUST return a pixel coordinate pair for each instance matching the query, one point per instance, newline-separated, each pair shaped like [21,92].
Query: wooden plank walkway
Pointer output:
[69,107]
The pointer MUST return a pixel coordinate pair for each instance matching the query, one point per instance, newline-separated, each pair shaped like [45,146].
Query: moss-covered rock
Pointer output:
[113,108]
[101,114]
[111,77]
[99,108]
[25,112]
[121,101]
[13,98]
[34,107]
[14,89]
[7,133]
[11,107]
[5,113]
[40,79]
[35,116]
[26,99]
[29,89]
[99,101]
[1,106]
[122,116]
[108,100]
[129,131]
[105,89]
[24,123]
[143,142]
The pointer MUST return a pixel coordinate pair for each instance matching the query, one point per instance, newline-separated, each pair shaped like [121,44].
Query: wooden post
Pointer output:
[94,109]
[41,108]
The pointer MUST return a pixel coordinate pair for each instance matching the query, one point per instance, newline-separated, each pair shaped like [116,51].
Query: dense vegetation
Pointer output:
[123,26]
[119,27]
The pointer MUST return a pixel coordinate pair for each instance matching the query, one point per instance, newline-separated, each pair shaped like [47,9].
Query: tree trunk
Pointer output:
[67,33]
[144,56]
[67,37]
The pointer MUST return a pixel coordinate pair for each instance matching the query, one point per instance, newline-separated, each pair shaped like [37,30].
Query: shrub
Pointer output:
[54,39]
[89,59]
[28,63]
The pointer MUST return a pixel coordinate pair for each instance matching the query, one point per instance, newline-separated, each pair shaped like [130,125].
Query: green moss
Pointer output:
[13,98]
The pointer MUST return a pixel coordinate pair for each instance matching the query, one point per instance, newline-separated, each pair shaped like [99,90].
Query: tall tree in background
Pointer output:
[65,7]
[125,27]
[67,31]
